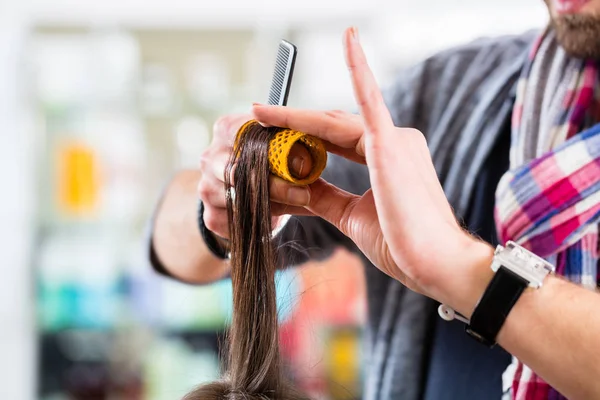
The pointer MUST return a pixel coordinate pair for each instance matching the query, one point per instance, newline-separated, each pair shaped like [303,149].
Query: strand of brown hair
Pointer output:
[253,362]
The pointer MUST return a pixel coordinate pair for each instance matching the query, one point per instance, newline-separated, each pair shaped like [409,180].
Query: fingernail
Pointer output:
[298,196]
[257,104]
[298,167]
[354,33]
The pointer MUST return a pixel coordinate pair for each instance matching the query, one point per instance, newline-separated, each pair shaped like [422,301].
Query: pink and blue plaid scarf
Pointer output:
[549,200]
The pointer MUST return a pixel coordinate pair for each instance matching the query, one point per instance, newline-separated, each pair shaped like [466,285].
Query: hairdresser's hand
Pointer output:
[286,198]
[404,224]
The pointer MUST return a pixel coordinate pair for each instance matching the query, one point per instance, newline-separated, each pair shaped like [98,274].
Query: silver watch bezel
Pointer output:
[522,262]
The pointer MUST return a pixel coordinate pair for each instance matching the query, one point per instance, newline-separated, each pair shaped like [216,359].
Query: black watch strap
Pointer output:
[498,299]
[209,238]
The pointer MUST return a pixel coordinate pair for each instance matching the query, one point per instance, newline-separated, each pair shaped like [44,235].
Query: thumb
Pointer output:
[332,204]
[300,162]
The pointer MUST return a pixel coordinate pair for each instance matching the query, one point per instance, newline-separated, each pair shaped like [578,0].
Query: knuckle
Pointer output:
[355,65]
[416,135]
[222,155]
[345,219]
[221,126]
[225,127]
[211,219]
[204,190]
[204,161]
[286,120]
[207,156]
[413,132]
[336,114]
[224,151]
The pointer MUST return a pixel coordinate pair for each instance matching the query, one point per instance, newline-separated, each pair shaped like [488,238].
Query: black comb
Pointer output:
[282,76]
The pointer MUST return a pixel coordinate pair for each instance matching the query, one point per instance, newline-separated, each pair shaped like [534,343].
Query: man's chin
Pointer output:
[579,35]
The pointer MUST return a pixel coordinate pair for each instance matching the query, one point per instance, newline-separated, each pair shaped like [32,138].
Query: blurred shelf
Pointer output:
[106,323]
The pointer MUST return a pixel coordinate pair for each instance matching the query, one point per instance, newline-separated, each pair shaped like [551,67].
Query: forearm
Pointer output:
[176,238]
[554,330]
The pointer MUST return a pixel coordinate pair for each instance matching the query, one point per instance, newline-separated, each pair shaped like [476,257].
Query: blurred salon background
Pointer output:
[100,102]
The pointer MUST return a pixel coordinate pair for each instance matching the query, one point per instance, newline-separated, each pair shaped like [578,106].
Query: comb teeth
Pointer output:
[282,75]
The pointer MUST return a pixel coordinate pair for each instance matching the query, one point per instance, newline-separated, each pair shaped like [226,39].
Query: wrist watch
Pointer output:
[516,268]
[210,238]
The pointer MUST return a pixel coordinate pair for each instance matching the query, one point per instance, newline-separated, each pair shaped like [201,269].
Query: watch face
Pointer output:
[522,262]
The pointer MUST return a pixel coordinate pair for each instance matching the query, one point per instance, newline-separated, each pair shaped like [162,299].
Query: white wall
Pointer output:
[394,32]
[16,183]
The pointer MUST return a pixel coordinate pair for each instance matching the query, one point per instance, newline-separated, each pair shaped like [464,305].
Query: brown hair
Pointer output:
[254,364]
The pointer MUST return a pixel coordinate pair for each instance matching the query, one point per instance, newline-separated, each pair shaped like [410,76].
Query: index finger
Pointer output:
[338,127]
[368,97]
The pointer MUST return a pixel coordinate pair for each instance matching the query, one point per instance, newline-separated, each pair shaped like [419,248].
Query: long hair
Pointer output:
[253,370]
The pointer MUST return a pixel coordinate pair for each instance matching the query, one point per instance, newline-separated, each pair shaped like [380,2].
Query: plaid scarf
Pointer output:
[549,200]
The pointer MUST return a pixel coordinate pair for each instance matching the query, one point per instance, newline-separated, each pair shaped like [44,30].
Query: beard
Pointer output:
[579,35]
